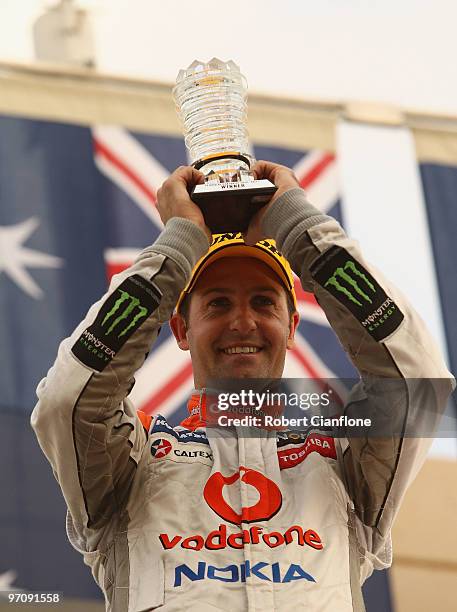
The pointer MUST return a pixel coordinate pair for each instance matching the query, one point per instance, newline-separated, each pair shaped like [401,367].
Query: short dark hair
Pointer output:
[185,306]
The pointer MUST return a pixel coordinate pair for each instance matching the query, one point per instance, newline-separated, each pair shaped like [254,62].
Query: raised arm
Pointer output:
[86,426]
[404,380]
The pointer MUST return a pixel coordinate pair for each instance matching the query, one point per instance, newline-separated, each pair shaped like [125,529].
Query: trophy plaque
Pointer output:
[211,103]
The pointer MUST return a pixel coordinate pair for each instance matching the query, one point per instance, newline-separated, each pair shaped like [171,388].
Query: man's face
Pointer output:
[238,304]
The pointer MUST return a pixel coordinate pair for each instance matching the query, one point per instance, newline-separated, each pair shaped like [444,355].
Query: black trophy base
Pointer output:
[229,207]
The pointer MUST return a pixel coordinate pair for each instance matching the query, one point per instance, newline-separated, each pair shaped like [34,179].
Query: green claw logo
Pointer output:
[342,274]
[133,302]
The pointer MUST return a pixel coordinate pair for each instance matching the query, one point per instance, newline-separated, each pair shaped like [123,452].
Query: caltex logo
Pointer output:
[160,448]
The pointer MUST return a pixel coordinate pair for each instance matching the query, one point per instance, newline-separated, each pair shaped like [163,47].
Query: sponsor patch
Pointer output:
[290,457]
[222,538]
[354,287]
[268,504]
[123,313]
[161,425]
[160,448]
[187,455]
[286,438]
[262,570]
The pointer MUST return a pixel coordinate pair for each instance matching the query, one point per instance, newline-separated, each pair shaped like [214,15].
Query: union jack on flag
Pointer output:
[135,166]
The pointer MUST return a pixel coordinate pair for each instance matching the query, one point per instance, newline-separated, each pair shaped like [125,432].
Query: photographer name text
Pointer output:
[227,420]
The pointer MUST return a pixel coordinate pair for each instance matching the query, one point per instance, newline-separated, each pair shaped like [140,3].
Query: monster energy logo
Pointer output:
[130,302]
[344,274]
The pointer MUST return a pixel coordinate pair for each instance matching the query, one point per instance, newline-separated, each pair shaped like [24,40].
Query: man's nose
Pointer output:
[243,319]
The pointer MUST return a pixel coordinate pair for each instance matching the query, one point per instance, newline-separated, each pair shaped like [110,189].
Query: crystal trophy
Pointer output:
[211,103]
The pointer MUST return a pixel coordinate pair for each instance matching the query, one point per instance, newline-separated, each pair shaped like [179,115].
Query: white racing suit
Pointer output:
[194,519]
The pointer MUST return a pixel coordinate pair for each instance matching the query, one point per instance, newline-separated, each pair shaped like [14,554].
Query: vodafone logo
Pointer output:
[160,448]
[268,505]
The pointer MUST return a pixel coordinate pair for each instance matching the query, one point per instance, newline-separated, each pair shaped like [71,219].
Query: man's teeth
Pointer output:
[241,349]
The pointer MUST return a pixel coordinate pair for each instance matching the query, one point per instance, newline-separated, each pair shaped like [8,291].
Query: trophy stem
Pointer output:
[222,156]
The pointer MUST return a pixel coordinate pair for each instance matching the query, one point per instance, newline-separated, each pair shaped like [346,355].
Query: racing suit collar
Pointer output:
[196,407]
[200,416]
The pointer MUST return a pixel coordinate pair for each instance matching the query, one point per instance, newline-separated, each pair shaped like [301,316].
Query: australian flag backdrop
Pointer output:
[76,206]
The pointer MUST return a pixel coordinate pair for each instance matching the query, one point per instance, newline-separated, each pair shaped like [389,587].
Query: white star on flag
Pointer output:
[6,584]
[7,579]
[14,257]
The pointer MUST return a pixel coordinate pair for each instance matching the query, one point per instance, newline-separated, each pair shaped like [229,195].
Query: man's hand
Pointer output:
[173,198]
[284,179]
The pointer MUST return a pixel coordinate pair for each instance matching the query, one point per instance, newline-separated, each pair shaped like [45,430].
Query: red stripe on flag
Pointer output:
[154,402]
[296,352]
[302,295]
[115,268]
[316,170]
[321,380]
[103,151]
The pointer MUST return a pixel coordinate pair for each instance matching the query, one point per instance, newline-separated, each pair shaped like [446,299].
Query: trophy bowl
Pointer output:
[211,103]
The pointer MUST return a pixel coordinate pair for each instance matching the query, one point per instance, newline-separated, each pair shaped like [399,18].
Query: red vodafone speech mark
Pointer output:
[268,505]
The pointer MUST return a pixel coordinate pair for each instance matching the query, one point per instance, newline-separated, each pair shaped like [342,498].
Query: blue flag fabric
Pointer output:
[440,189]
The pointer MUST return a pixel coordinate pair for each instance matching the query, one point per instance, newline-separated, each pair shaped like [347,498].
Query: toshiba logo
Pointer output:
[290,457]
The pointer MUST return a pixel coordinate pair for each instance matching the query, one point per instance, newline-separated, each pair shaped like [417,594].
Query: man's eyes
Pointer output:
[220,301]
[263,300]
[257,300]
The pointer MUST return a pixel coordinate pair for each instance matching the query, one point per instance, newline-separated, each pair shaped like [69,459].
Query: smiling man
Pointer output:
[237,325]
[200,517]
